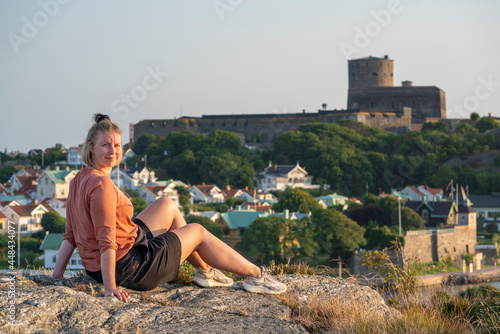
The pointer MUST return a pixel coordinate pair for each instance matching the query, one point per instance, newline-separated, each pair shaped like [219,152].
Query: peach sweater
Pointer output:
[98,218]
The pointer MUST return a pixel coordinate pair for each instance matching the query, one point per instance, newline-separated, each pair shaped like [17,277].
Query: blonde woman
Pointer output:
[146,252]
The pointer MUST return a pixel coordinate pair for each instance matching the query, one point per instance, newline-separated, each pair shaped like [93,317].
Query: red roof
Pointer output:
[229,193]
[155,189]
[2,216]
[205,188]
[432,190]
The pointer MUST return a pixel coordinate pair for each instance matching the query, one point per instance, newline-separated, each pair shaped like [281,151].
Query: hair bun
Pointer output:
[100,117]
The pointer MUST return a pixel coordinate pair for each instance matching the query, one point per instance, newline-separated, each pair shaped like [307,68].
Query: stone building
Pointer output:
[372,100]
[371,88]
[457,238]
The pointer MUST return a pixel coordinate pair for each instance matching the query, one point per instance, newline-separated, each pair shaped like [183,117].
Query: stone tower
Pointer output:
[371,72]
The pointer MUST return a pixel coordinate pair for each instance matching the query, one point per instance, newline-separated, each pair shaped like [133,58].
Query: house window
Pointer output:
[425,214]
[46,181]
[73,262]
[54,258]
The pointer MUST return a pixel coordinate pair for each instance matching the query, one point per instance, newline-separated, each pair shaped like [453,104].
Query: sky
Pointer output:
[61,61]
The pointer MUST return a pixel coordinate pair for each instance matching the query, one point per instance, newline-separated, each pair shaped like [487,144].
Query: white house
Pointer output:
[212,215]
[280,177]
[207,193]
[58,204]
[132,178]
[50,246]
[54,183]
[128,154]
[122,180]
[332,200]
[27,217]
[418,193]
[487,208]
[75,156]
[256,196]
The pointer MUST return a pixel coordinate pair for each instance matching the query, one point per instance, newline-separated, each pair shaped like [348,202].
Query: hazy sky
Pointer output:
[62,60]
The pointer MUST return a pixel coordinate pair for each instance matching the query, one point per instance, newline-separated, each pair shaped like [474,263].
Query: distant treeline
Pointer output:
[348,156]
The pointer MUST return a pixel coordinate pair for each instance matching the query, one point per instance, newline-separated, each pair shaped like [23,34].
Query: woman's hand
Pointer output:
[118,293]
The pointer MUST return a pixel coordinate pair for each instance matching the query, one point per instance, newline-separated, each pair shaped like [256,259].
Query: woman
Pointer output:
[148,251]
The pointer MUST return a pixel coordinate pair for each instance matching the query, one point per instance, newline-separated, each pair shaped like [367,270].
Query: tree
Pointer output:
[492,228]
[53,222]
[335,233]
[379,237]
[137,202]
[486,123]
[294,199]
[370,212]
[184,195]
[410,220]
[474,116]
[6,173]
[211,226]
[262,239]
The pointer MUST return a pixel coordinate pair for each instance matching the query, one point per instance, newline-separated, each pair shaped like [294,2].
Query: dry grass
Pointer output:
[342,314]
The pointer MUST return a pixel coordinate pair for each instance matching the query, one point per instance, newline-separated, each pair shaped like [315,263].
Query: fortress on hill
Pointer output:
[372,99]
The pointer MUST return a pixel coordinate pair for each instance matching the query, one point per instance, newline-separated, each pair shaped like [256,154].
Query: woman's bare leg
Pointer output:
[162,216]
[195,238]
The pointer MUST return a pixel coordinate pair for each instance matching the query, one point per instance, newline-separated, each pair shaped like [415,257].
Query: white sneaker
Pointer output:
[265,284]
[212,277]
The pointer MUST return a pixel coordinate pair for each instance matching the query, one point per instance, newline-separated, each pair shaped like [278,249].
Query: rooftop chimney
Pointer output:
[407,83]
[275,168]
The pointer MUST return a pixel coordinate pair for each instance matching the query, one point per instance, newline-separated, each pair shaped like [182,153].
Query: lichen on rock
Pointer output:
[45,304]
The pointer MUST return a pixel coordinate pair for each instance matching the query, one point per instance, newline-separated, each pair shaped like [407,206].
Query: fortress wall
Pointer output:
[425,101]
[455,244]
[437,246]
[418,248]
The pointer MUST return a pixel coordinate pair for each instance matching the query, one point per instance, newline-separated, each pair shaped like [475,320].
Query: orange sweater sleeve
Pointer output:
[103,203]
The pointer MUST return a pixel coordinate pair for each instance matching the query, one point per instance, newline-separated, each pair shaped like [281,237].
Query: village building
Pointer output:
[235,222]
[74,157]
[54,183]
[212,215]
[151,193]
[280,177]
[133,178]
[488,208]
[331,200]
[206,193]
[419,193]
[50,247]
[27,218]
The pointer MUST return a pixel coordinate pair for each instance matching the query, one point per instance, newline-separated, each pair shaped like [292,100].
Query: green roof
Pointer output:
[52,241]
[5,197]
[58,175]
[329,199]
[242,218]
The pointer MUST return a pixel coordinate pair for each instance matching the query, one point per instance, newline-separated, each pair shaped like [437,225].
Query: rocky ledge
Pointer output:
[42,304]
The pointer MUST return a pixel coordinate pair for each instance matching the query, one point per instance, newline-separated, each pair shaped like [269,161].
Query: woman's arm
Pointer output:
[63,257]
[108,266]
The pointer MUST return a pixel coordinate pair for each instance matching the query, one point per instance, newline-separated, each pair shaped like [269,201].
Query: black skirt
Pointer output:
[150,262]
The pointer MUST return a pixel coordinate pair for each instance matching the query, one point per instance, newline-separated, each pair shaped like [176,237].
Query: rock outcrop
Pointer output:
[42,304]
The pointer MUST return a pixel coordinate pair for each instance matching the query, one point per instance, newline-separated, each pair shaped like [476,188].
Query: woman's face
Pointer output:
[107,150]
